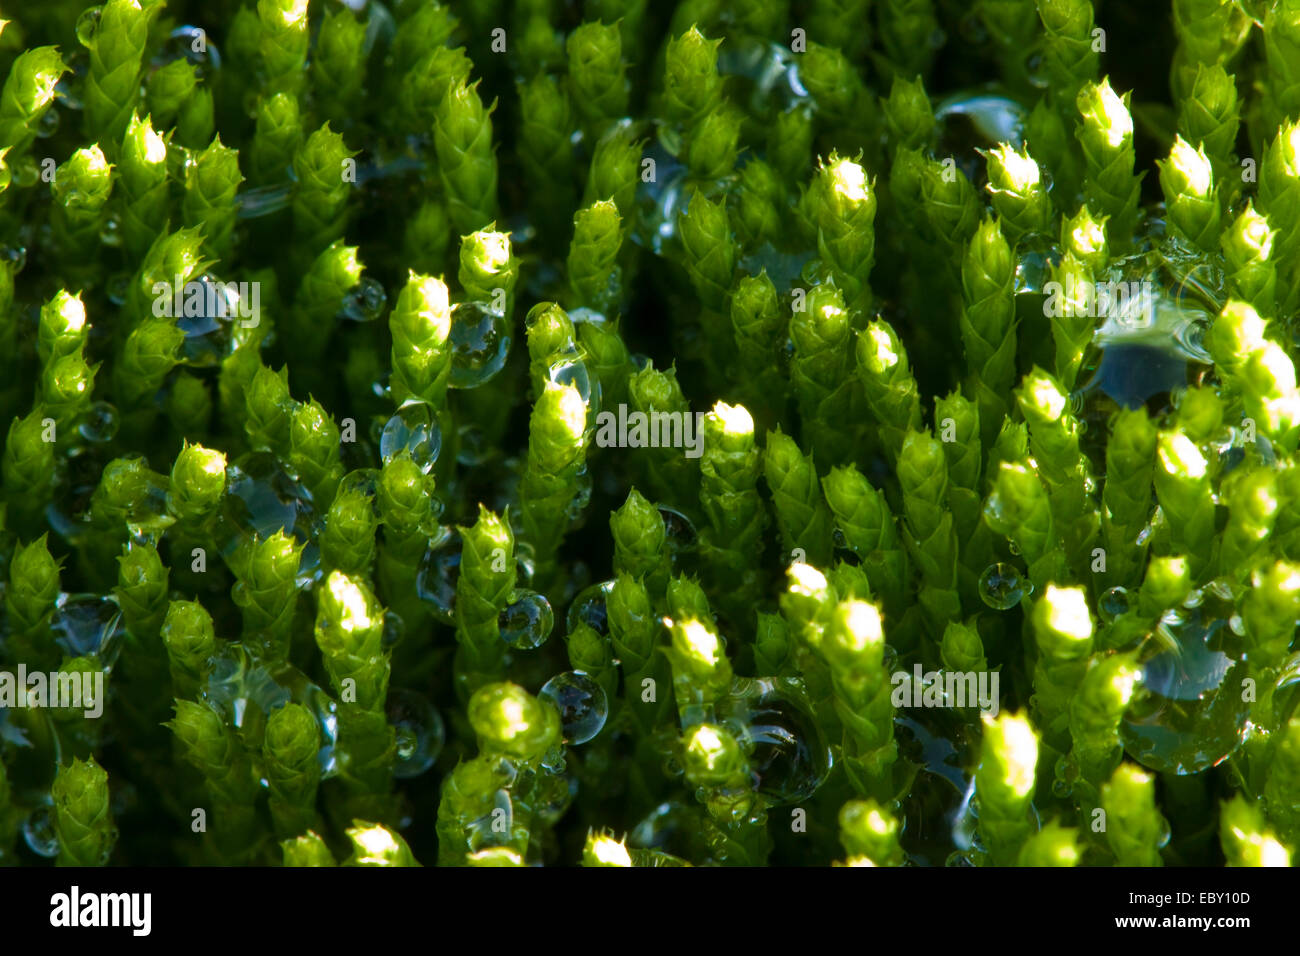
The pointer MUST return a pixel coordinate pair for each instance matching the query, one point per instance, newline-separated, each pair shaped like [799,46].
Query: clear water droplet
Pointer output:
[99,424]
[262,497]
[394,629]
[88,26]
[16,256]
[788,753]
[439,573]
[573,371]
[364,302]
[1114,603]
[527,621]
[420,732]
[85,624]
[1190,715]
[413,428]
[480,344]
[1001,586]
[679,530]
[589,608]
[581,702]
[38,832]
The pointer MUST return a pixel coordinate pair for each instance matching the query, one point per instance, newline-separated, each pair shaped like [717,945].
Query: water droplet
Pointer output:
[679,530]
[1114,603]
[49,124]
[480,343]
[193,44]
[88,26]
[242,690]
[970,119]
[38,832]
[394,629]
[365,301]
[67,90]
[581,702]
[589,608]
[420,732]
[263,498]
[528,620]
[413,428]
[437,578]
[493,828]
[1190,715]
[16,256]
[573,371]
[99,424]
[1001,586]
[581,496]
[85,624]
[789,758]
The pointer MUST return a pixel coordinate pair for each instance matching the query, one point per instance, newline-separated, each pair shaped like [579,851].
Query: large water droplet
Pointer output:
[413,428]
[439,573]
[364,302]
[679,530]
[88,25]
[263,498]
[1189,715]
[420,732]
[192,44]
[1001,586]
[85,624]
[99,424]
[581,702]
[788,754]
[589,608]
[528,620]
[1114,603]
[573,371]
[38,832]
[241,689]
[480,344]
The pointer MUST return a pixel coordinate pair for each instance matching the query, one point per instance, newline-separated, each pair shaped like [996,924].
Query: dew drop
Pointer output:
[413,428]
[365,301]
[581,702]
[99,424]
[1001,586]
[589,608]
[86,624]
[439,573]
[527,621]
[88,26]
[38,833]
[480,343]
[420,732]
[1114,603]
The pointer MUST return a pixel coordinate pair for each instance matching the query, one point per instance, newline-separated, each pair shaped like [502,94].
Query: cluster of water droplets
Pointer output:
[263,497]
[245,691]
